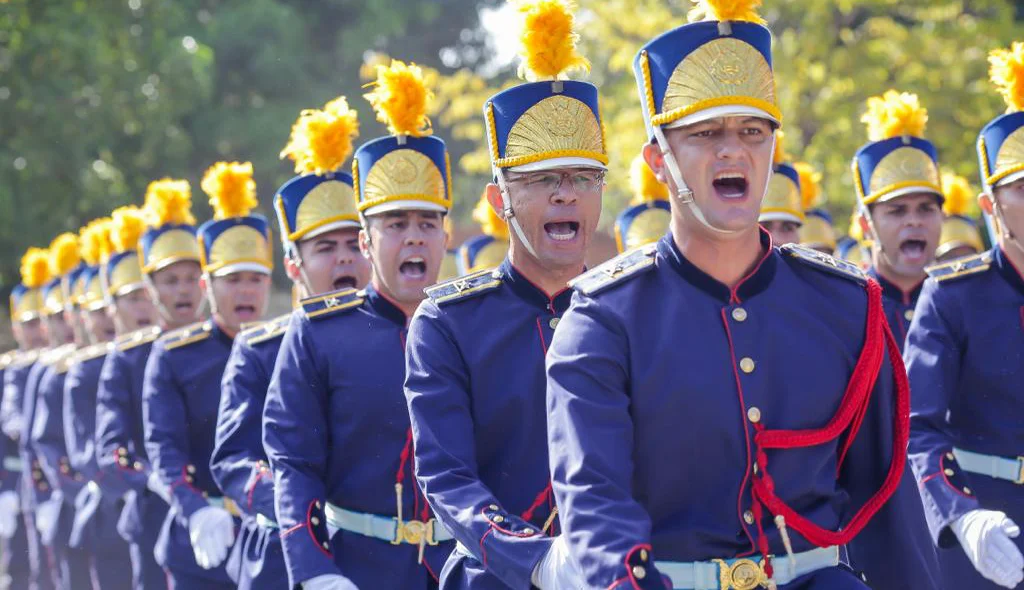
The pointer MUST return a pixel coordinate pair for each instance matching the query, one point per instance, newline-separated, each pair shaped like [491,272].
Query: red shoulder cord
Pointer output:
[847,419]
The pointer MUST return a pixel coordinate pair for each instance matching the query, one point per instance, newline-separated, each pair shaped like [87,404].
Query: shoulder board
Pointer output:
[461,288]
[25,358]
[137,338]
[824,262]
[90,352]
[267,330]
[51,355]
[960,267]
[7,359]
[63,357]
[621,268]
[333,302]
[187,335]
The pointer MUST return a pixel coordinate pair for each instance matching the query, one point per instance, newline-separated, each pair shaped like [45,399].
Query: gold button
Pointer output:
[123,462]
[747,364]
[748,517]
[327,546]
[315,521]
[643,555]
[639,572]
[948,472]
[951,456]
[553,322]
[755,468]
[191,469]
[528,532]
[498,518]
[137,466]
[739,314]
[318,504]
[492,507]
[967,491]
[754,415]
[909,314]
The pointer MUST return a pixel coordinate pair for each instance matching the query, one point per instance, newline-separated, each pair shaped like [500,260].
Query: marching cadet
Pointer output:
[26,305]
[112,289]
[647,217]
[55,515]
[679,447]
[475,376]
[782,212]
[817,232]
[964,359]
[169,256]
[320,233]
[960,236]
[335,426]
[181,390]
[488,249]
[896,176]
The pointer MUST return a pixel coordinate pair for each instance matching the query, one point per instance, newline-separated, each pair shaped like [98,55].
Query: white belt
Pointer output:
[413,532]
[991,465]
[225,503]
[12,464]
[265,522]
[746,574]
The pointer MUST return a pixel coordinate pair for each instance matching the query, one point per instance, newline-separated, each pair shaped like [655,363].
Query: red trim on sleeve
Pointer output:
[312,533]
[260,474]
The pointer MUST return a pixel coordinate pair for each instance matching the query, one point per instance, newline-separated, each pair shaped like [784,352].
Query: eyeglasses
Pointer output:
[548,183]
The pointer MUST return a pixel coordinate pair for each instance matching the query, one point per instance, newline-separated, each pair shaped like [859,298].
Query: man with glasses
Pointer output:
[475,363]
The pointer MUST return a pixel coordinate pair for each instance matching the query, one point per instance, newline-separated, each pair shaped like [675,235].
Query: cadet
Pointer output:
[320,234]
[782,212]
[900,197]
[817,232]
[112,293]
[679,445]
[964,358]
[169,256]
[335,426]
[181,392]
[475,367]
[55,515]
[488,249]
[20,540]
[959,236]
[647,217]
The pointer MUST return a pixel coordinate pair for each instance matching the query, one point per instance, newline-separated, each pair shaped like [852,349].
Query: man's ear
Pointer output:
[655,159]
[364,242]
[494,199]
[985,202]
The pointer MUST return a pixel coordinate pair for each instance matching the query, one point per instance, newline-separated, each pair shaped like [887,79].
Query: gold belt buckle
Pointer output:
[742,574]
[414,532]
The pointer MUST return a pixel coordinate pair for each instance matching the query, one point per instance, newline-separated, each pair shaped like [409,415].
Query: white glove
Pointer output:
[557,570]
[158,487]
[985,536]
[329,582]
[211,531]
[9,509]
[88,497]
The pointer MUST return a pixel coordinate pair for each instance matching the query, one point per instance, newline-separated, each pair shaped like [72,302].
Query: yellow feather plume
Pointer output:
[127,225]
[231,189]
[90,240]
[168,202]
[725,10]
[489,221]
[321,140]
[780,154]
[64,254]
[645,185]
[810,185]
[1006,70]
[856,231]
[960,199]
[401,98]
[35,268]
[105,239]
[547,40]
[895,114]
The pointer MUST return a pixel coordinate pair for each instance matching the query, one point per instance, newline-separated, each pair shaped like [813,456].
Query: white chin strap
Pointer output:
[683,192]
[509,214]
[292,251]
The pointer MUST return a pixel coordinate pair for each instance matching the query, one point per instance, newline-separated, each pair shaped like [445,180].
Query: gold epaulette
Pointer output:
[822,261]
[333,302]
[7,359]
[266,331]
[52,356]
[624,266]
[961,267]
[137,338]
[461,288]
[60,358]
[24,358]
[188,335]
[90,352]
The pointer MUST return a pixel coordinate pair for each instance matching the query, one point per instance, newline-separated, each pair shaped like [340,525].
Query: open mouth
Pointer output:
[414,268]
[144,323]
[730,185]
[345,282]
[183,306]
[562,231]
[913,249]
[245,311]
